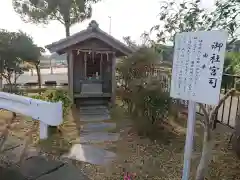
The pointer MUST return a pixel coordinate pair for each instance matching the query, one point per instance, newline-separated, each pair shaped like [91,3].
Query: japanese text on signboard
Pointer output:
[197,65]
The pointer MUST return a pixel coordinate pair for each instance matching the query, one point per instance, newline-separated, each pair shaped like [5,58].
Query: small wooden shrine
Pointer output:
[92,62]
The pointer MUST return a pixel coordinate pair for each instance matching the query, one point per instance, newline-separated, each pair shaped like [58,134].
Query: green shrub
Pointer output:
[144,89]
[147,104]
[56,95]
[151,101]
[156,104]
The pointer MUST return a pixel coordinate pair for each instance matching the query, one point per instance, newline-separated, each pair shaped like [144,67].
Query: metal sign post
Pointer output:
[189,139]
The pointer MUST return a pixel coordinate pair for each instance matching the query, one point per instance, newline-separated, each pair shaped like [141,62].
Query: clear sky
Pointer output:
[129,18]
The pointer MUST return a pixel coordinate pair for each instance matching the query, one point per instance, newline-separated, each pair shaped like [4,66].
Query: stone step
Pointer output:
[94,117]
[100,102]
[93,107]
[90,154]
[94,111]
[98,127]
[98,137]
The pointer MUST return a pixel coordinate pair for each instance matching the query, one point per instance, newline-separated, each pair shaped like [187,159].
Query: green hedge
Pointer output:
[56,95]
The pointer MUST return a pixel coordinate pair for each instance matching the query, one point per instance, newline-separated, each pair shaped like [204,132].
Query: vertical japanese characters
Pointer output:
[188,82]
[180,51]
[194,65]
[178,65]
[198,66]
[214,63]
[198,63]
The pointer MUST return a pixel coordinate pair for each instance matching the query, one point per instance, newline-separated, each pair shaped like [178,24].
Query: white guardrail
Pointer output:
[48,113]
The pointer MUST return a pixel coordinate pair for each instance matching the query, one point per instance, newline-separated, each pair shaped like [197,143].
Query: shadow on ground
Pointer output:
[10,174]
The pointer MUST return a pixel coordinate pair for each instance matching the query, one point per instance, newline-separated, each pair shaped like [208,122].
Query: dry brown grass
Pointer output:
[162,159]
[55,145]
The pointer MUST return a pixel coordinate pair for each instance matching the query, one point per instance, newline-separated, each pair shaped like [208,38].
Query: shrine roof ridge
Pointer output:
[92,31]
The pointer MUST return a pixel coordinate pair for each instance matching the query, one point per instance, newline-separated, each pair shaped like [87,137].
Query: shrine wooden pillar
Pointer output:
[114,85]
[101,64]
[85,65]
[71,74]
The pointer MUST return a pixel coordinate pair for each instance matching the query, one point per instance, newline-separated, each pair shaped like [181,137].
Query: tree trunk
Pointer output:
[38,75]
[67,31]
[208,140]
[208,143]
[10,87]
[15,78]
[51,69]
[15,83]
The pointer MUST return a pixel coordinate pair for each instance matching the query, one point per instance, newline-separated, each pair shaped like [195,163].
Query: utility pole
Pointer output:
[110,24]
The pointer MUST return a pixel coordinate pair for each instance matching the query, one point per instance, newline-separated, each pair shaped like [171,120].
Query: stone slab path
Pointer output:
[95,126]
[91,154]
[40,169]
[98,127]
[98,137]
[35,167]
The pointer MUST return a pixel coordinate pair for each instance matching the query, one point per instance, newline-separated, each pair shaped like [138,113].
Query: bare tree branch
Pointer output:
[215,109]
[206,116]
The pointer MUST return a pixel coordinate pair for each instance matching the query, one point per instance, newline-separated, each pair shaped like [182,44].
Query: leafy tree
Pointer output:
[188,16]
[67,12]
[226,15]
[230,69]
[10,63]
[232,63]
[130,42]
[30,52]
[165,53]
[183,17]
[15,48]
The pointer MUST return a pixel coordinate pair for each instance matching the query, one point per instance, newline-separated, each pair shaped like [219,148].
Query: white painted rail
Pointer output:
[48,113]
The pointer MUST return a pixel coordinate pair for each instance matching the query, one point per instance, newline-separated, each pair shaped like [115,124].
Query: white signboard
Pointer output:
[198,66]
